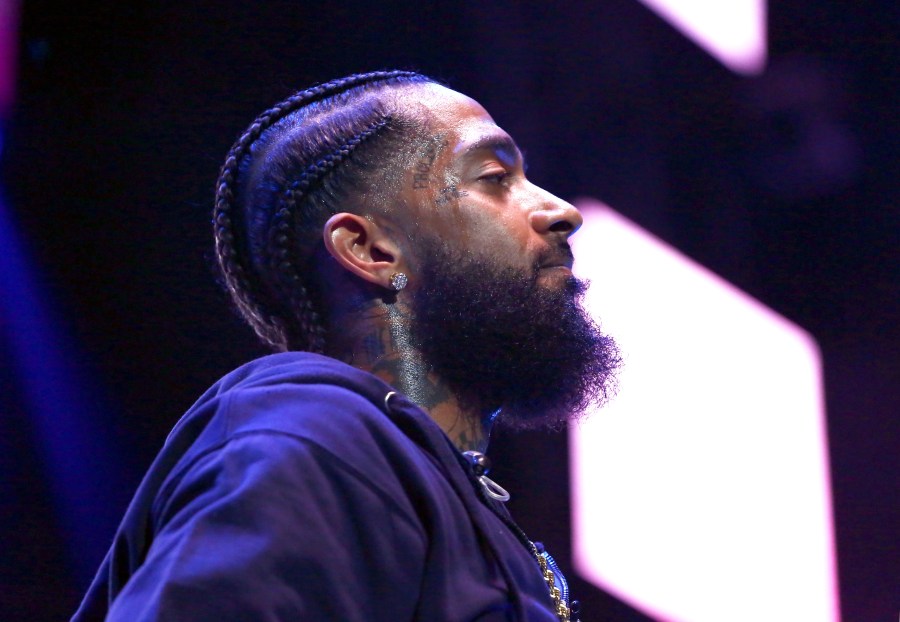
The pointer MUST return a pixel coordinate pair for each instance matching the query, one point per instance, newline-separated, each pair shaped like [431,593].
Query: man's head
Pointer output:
[320,152]
[330,193]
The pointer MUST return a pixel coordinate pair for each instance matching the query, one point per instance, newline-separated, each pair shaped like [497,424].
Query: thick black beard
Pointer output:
[501,340]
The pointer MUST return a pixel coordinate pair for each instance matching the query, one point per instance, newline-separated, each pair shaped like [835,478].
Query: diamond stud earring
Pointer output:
[398,281]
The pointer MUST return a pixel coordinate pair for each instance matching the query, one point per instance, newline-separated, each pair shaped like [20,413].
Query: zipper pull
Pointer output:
[481,466]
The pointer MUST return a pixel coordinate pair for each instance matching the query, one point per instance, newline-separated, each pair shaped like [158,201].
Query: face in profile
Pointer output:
[467,185]
[496,310]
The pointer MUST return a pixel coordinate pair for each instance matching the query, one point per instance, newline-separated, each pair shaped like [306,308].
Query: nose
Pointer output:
[555,216]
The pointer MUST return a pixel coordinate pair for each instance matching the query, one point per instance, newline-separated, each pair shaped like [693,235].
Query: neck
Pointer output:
[378,340]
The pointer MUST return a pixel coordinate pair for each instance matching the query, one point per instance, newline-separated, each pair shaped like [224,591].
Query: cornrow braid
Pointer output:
[259,267]
[282,245]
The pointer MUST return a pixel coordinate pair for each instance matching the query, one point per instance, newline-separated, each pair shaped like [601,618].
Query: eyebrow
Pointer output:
[496,144]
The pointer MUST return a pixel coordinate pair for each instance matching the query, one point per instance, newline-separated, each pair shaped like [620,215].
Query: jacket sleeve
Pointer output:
[269,526]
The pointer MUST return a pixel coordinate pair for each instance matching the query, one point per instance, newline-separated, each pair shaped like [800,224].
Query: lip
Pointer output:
[562,263]
[558,259]
[561,269]
[556,267]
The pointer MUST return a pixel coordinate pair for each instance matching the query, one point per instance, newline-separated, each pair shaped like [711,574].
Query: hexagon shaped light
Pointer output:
[702,491]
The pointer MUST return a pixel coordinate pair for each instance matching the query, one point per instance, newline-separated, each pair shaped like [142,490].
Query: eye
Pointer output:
[498,178]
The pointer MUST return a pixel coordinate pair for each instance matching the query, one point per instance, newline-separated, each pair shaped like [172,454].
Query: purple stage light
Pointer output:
[9,30]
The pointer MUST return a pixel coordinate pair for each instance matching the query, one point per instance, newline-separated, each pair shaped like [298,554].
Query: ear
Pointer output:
[363,248]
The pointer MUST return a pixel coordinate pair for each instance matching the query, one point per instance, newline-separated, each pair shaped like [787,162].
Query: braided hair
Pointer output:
[297,164]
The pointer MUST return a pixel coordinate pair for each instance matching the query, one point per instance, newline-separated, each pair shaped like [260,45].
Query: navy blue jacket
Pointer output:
[291,491]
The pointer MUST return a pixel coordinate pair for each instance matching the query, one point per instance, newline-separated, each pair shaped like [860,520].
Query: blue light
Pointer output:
[67,417]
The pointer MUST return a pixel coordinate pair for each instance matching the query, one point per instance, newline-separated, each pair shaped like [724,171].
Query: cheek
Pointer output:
[500,236]
[474,222]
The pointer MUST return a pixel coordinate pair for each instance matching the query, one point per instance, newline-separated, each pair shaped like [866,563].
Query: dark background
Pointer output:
[786,184]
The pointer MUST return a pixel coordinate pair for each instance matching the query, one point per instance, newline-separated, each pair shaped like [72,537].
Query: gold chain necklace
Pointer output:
[562,610]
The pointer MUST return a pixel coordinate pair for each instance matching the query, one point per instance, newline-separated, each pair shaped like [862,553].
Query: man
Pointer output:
[380,232]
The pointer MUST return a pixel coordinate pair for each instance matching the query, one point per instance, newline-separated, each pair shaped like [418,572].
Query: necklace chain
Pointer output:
[562,610]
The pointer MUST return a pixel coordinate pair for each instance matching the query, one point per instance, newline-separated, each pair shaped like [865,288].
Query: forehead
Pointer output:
[459,118]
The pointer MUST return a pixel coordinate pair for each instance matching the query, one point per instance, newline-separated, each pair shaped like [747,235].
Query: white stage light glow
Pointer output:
[733,32]
[702,491]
